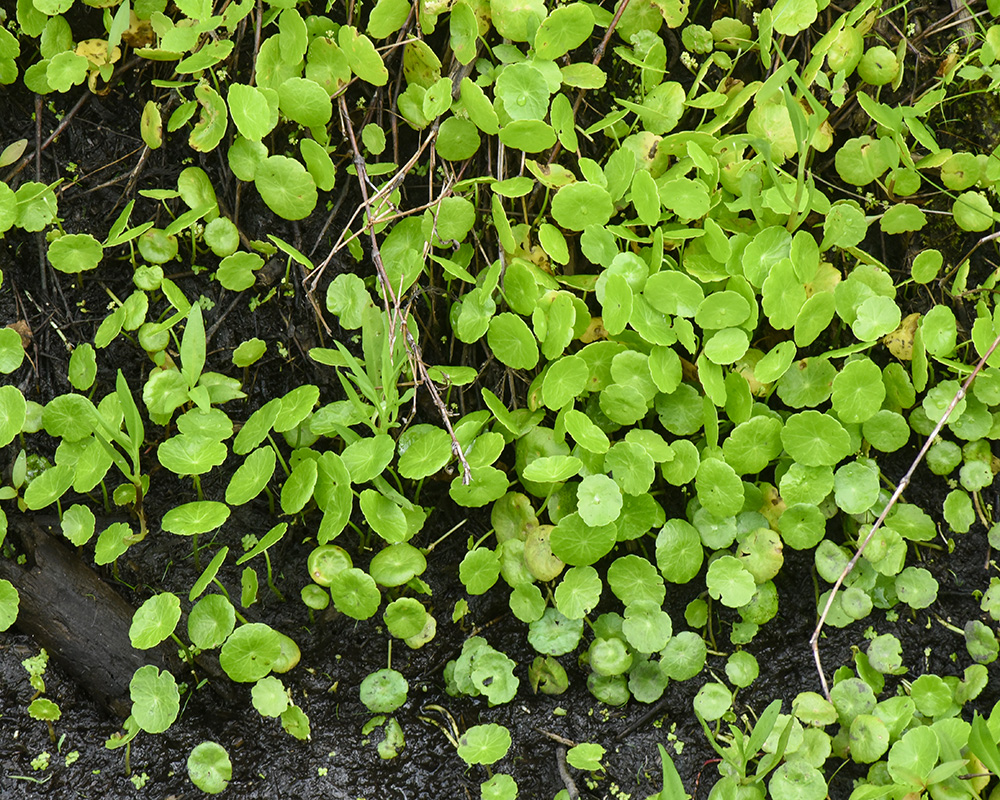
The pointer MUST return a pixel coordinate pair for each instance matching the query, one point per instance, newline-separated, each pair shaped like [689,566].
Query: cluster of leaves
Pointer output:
[715,358]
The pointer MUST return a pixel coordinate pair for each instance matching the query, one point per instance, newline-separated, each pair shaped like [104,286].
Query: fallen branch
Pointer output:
[900,488]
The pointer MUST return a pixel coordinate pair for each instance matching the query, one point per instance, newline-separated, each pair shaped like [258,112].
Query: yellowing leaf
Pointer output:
[900,341]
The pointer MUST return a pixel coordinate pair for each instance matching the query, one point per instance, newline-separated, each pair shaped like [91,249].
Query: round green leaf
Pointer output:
[154,620]
[815,439]
[578,592]
[9,602]
[575,542]
[397,564]
[250,652]
[523,91]
[972,211]
[679,551]
[250,111]
[553,634]
[355,594]
[858,391]
[155,699]
[564,29]
[856,487]
[199,516]
[458,138]
[286,187]
[730,582]
[720,489]
[384,691]
[209,767]
[599,501]
[13,409]
[577,205]
[512,341]
[211,621]
[484,744]
[75,252]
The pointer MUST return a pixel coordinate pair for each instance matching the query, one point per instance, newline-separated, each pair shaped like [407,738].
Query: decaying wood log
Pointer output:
[75,616]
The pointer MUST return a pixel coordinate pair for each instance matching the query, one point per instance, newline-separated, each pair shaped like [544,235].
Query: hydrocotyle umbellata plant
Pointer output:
[715,358]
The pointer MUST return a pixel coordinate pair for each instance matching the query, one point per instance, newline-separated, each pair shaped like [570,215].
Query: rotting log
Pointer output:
[80,620]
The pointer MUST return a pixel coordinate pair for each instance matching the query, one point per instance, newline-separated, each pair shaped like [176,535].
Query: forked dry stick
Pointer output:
[900,488]
[392,299]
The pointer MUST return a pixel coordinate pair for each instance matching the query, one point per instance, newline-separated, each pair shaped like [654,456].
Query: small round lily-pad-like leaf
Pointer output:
[972,211]
[286,187]
[304,101]
[199,516]
[209,767]
[236,270]
[211,621]
[599,500]
[44,709]
[856,487]
[251,476]
[578,592]
[250,652]
[11,350]
[730,582]
[270,697]
[478,571]
[815,439]
[384,516]
[299,486]
[75,252]
[384,691]
[564,29]
[554,634]
[512,341]
[154,620]
[9,603]
[155,699]
[797,780]
[191,455]
[250,111]
[529,135]
[712,701]
[405,617]
[423,451]
[577,205]
[647,627]
[13,409]
[858,391]
[916,587]
[113,542]
[679,551]
[48,487]
[484,744]
[719,488]
[523,91]
[397,564]
[575,542]
[354,593]
[458,138]
[516,19]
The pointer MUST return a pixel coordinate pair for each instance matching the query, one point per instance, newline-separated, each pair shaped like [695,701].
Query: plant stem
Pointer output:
[270,580]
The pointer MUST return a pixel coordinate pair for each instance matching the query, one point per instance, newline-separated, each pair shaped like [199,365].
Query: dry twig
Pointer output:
[392,301]
[900,488]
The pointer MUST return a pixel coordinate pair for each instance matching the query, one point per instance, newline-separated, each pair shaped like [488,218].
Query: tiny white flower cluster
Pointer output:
[689,61]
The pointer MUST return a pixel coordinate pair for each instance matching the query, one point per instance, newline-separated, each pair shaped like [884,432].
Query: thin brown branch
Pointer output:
[900,488]
[392,299]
